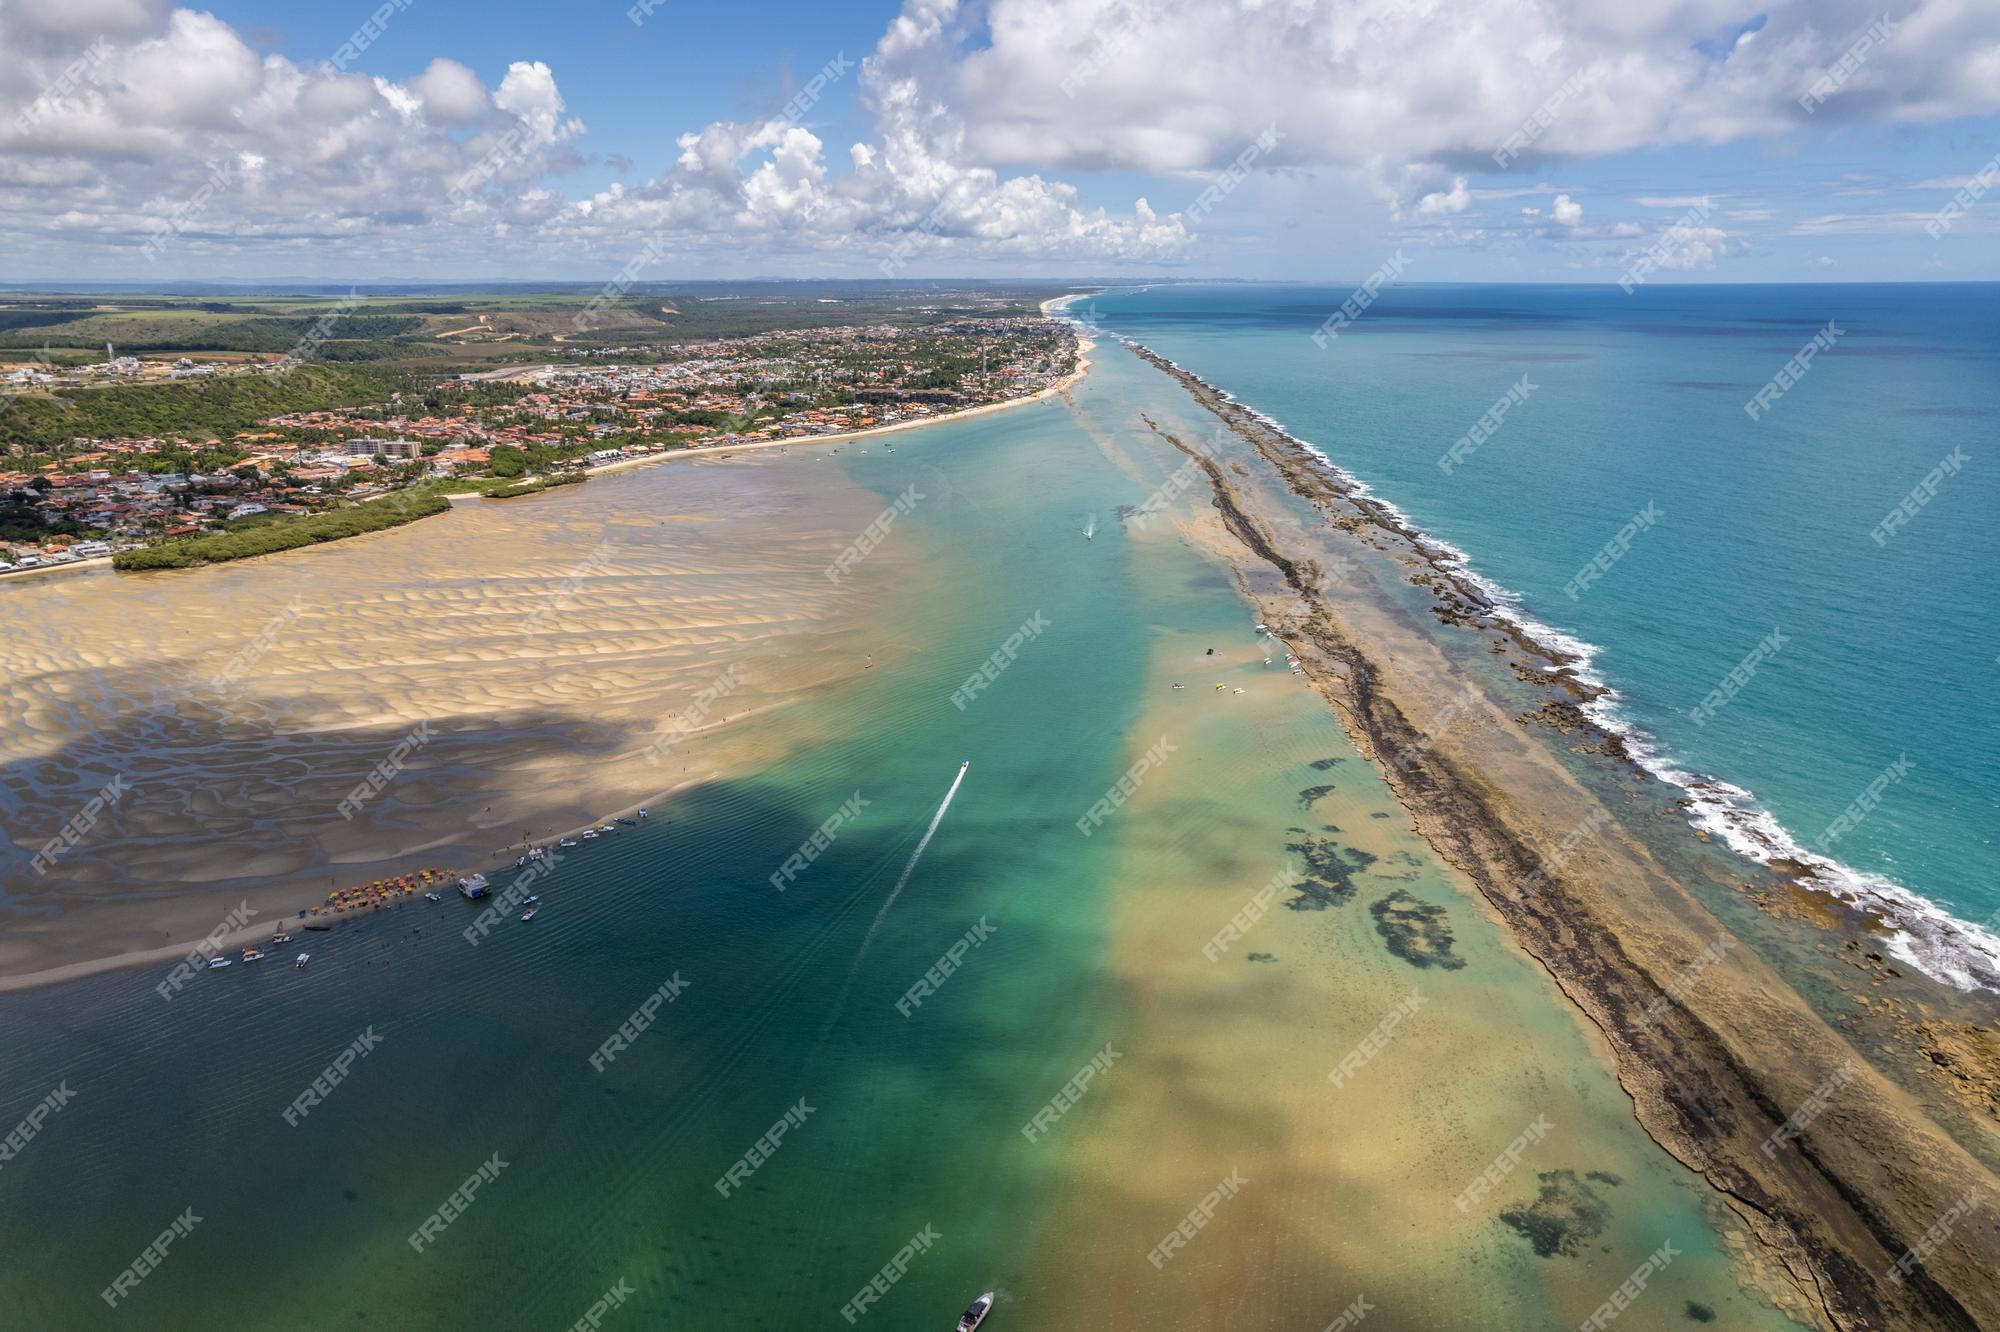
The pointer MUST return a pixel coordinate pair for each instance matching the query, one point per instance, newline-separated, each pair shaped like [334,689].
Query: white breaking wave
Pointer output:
[1923,934]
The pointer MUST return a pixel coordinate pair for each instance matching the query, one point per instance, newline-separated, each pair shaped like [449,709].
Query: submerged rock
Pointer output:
[1416,931]
[1330,870]
[1564,1215]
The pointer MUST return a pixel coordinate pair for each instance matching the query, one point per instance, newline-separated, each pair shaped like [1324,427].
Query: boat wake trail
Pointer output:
[908,869]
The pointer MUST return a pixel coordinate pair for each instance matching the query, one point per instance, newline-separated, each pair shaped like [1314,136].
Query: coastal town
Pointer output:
[92,497]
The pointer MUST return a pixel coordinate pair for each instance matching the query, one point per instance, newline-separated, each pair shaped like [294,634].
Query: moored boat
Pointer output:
[568,842]
[216,962]
[303,959]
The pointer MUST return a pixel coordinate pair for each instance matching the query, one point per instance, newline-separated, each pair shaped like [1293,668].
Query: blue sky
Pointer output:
[1152,138]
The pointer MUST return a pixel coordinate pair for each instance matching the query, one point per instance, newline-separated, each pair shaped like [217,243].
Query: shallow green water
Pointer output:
[914,1120]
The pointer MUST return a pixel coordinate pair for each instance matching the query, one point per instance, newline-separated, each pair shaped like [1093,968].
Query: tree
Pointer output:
[506,460]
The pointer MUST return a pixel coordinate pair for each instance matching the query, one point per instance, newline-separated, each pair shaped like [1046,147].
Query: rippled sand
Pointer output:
[525,655]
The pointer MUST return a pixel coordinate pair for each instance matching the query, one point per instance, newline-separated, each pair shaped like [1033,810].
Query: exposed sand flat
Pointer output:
[1712,1075]
[524,657]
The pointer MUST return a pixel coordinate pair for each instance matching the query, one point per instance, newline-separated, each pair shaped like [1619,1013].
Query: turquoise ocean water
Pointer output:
[1888,653]
[915,1121]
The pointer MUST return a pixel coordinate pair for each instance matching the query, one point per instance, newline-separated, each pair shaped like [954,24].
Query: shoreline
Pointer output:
[1922,934]
[1084,346]
[1713,1067]
[176,951]
[67,566]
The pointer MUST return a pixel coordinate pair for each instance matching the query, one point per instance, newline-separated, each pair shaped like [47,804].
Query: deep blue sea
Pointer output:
[1882,670]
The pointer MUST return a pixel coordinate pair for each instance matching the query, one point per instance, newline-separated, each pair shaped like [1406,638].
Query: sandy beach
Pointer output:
[508,667]
[1714,1064]
[224,679]
[1068,381]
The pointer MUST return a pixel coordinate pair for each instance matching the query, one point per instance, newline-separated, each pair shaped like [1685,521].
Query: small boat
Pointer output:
[592,833]
[304,958]
[252,955]
[1179,685]
[531,899]
[519,861]
[474,887]
[432,897]
[529,914]
[630,823]
[963,766]
[217,962]
[568,842]
[642,811]
[277,939]
[976,1315]
[605,827]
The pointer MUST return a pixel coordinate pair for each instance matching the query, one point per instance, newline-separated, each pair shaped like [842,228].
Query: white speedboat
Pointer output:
[963,766]
[529,914]
[217,962]
[303,959]
[976,1315]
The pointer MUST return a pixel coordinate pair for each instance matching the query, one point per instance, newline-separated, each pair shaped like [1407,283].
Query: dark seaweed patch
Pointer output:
[1379,814]
[1605,1177]
[1415,931]
[1312,793]
[1566,1213]
[1321,765]
[1262,957]
[1699,1313]
[1330,871]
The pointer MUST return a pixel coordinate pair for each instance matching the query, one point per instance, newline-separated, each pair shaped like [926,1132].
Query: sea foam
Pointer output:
[1922,934]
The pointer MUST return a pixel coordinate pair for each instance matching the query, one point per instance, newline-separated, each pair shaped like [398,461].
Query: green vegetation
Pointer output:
[191,328]
[404,507]
[533,487]
[213,407]
[507,461]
